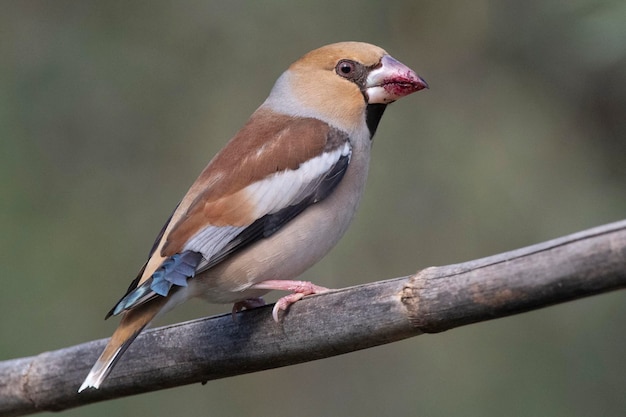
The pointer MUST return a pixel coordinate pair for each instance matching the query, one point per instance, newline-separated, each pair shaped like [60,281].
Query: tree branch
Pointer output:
[433,300]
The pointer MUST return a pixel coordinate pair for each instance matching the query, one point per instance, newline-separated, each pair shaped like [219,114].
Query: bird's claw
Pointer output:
[247,305]
[298,288]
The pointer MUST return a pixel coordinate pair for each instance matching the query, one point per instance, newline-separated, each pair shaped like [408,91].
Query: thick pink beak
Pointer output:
[391,81]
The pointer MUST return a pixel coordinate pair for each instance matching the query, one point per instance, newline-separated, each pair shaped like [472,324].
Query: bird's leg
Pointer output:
[299,289]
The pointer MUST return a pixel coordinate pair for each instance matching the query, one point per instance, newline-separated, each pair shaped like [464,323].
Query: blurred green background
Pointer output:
[109,110]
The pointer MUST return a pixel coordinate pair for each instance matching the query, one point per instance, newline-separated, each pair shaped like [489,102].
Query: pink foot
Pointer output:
[247,304]
[299,289]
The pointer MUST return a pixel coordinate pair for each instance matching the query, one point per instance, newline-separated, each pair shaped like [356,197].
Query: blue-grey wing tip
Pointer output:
[175,270]
[134,298]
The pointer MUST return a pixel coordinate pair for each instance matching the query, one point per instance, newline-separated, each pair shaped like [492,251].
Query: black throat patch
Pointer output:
[373,113]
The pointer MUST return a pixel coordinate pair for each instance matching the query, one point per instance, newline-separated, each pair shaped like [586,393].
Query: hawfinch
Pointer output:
[275,200]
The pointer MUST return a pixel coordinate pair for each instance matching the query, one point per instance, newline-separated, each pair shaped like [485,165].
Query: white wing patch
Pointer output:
[268,196]
[210,240]
[290,187]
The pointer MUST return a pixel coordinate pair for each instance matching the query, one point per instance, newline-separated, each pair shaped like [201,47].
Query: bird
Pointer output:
[275,199]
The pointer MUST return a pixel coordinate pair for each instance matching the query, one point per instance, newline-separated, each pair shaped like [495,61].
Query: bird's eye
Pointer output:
[345,68]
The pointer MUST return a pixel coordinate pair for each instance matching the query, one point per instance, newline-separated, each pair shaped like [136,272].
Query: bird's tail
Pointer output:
[132,323]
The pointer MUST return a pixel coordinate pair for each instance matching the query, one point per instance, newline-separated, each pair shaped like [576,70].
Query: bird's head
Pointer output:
[339,83]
